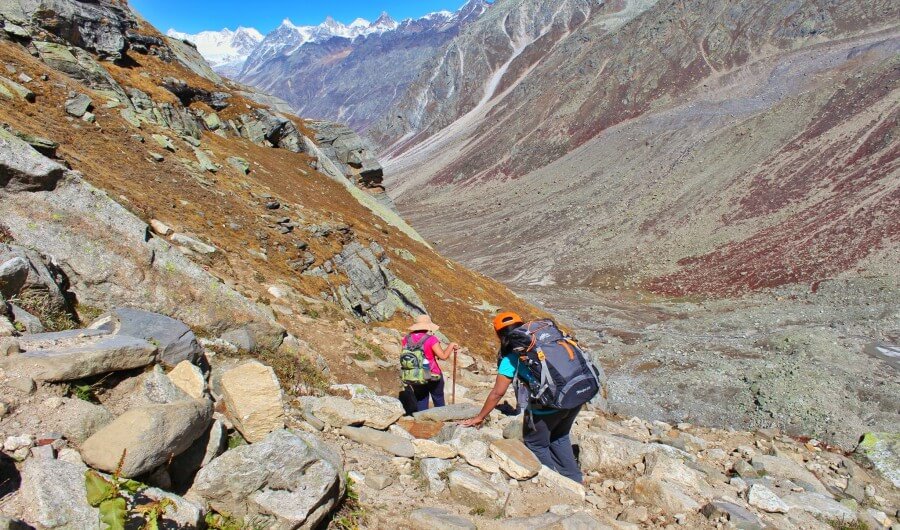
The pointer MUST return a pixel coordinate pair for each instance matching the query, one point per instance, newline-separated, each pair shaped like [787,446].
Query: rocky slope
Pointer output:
[352,78]
[638,158]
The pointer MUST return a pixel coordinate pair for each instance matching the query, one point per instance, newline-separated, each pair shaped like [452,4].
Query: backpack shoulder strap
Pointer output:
[417,345]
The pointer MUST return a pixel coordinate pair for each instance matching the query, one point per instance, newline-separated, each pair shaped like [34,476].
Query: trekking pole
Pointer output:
[453,394]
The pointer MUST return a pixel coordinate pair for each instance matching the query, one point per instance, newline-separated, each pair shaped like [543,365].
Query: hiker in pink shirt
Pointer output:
[423,329]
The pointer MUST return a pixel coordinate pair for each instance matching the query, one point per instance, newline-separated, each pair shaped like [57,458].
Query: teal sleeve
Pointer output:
[506,368]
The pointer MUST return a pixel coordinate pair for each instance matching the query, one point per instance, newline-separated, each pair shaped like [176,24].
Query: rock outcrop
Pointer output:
[99,27]
[123,249]
[374,292]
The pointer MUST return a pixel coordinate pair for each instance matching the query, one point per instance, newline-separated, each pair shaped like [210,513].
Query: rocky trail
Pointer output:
[218,437]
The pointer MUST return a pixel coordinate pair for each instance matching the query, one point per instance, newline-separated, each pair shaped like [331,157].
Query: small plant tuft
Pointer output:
[856,525]
[87,391]
[6,235]
[297,373]
[39,304]
[235,440]
[219,521]
[350,515]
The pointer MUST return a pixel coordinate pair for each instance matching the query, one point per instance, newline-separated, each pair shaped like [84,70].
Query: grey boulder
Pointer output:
[13,274]
[31,323]
[151,435]
[41,279]
[79,105]
[374,292]
[286,481]
[24,169]
[175,340]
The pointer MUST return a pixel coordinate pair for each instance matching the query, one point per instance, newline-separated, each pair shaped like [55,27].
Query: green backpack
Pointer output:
[413,367]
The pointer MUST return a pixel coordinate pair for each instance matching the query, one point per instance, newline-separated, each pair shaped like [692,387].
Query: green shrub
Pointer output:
[106,494]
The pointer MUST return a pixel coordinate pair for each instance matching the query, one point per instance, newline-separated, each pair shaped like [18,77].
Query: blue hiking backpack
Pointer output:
[559,373]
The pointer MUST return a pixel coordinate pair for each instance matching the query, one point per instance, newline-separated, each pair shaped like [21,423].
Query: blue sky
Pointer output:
[265,15]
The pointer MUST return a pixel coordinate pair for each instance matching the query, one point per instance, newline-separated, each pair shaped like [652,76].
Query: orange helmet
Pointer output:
[506,319]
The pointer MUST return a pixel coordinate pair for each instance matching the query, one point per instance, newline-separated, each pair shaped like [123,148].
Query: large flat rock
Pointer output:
[56,357]
[459,411]
[393,444]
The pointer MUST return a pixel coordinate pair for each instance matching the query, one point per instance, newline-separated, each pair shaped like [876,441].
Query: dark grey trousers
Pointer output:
[548,438]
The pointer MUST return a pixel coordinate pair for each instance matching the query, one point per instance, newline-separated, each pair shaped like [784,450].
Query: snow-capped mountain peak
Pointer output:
[360,23]
[384,23]
[243,50]
[224,49]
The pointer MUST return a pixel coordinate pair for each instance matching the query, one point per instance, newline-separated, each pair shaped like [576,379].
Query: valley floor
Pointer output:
[816,364]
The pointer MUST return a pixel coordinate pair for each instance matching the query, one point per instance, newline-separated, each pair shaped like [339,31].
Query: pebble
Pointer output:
[378,481]
[14,443]
[43,452]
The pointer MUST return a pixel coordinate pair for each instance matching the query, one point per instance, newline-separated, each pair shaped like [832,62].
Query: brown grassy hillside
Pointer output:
[227,209]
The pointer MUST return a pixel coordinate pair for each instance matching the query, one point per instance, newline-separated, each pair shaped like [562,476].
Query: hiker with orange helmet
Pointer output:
[545,429]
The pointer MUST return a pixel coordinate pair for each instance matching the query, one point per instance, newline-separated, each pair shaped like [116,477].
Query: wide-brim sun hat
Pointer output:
[424,323]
